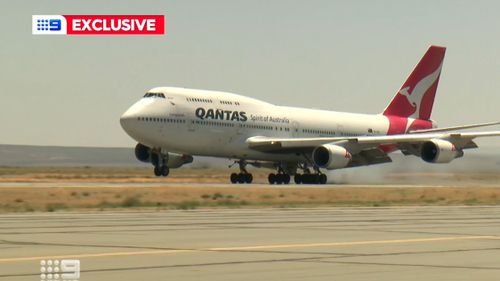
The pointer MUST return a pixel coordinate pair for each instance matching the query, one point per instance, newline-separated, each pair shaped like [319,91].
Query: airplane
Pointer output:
[171,125]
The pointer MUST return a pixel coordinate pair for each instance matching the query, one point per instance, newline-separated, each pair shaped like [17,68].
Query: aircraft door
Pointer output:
[295,129]
[191,125]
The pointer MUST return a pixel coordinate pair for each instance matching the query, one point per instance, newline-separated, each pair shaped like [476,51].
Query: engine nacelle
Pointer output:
[173,160]
[330,156]
[439,151]
[176,160]
[143,153]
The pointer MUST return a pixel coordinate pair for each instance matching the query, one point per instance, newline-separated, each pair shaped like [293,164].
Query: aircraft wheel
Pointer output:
[305,178]
[234,178]
[297,178]
[157,171]
[242,178]
[279,179]
[272,178]
[165,171]
[322,178]
[248,178]
[286,178]
[315,179]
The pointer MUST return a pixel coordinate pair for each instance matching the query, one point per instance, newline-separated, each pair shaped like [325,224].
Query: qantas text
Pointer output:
[219,114]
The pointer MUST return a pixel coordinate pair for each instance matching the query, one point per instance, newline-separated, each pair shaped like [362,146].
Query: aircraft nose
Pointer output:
[132,120]
[124,120]
[128,119]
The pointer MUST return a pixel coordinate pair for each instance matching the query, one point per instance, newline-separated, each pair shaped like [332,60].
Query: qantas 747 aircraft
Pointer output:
[171,125]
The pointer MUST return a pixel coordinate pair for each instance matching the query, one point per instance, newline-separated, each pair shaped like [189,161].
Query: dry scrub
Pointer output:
[17,199]
[479,188]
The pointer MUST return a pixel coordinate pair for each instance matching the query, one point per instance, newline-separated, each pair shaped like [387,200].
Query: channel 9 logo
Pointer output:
[59,270]
[48,24]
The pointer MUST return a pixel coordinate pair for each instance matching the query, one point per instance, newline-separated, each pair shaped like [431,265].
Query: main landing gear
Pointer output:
[282,177]
[243,176]
[309,178]
[283,174]
[279,178]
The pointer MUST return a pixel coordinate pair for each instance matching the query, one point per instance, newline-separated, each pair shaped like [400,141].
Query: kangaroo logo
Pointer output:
[348,155]
[416,95]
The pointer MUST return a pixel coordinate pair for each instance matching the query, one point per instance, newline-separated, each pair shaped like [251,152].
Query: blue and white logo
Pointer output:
[48,24]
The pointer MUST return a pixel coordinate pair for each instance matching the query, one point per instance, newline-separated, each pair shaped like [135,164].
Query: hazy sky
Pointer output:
[338,55]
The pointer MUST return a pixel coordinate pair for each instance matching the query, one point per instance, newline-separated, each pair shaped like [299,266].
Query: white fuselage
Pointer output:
[209,123]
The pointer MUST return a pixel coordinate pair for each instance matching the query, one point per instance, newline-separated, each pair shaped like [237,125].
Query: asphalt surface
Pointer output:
[397,243]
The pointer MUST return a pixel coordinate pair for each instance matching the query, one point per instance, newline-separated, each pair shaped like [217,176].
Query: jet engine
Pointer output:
[173,160]
[439,151]
[143,153]
[330,156]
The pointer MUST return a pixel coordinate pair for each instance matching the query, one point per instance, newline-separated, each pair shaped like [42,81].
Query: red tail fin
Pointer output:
[416,96]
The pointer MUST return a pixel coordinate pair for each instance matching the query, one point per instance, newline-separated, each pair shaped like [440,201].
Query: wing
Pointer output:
[284,144]
[447,129]
[366,149]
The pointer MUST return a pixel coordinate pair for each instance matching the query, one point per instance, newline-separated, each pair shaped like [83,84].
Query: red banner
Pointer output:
[115,24]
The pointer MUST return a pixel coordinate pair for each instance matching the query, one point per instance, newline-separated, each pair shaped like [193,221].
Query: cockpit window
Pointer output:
[154,95]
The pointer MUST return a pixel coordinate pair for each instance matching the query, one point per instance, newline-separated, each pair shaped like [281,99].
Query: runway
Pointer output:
[216,185]
[50,184]
[396,243]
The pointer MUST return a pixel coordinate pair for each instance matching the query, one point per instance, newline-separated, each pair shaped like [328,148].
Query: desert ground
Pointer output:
[32,189]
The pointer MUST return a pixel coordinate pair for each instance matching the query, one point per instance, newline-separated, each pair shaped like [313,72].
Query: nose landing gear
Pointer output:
[161,171]
[160,164]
